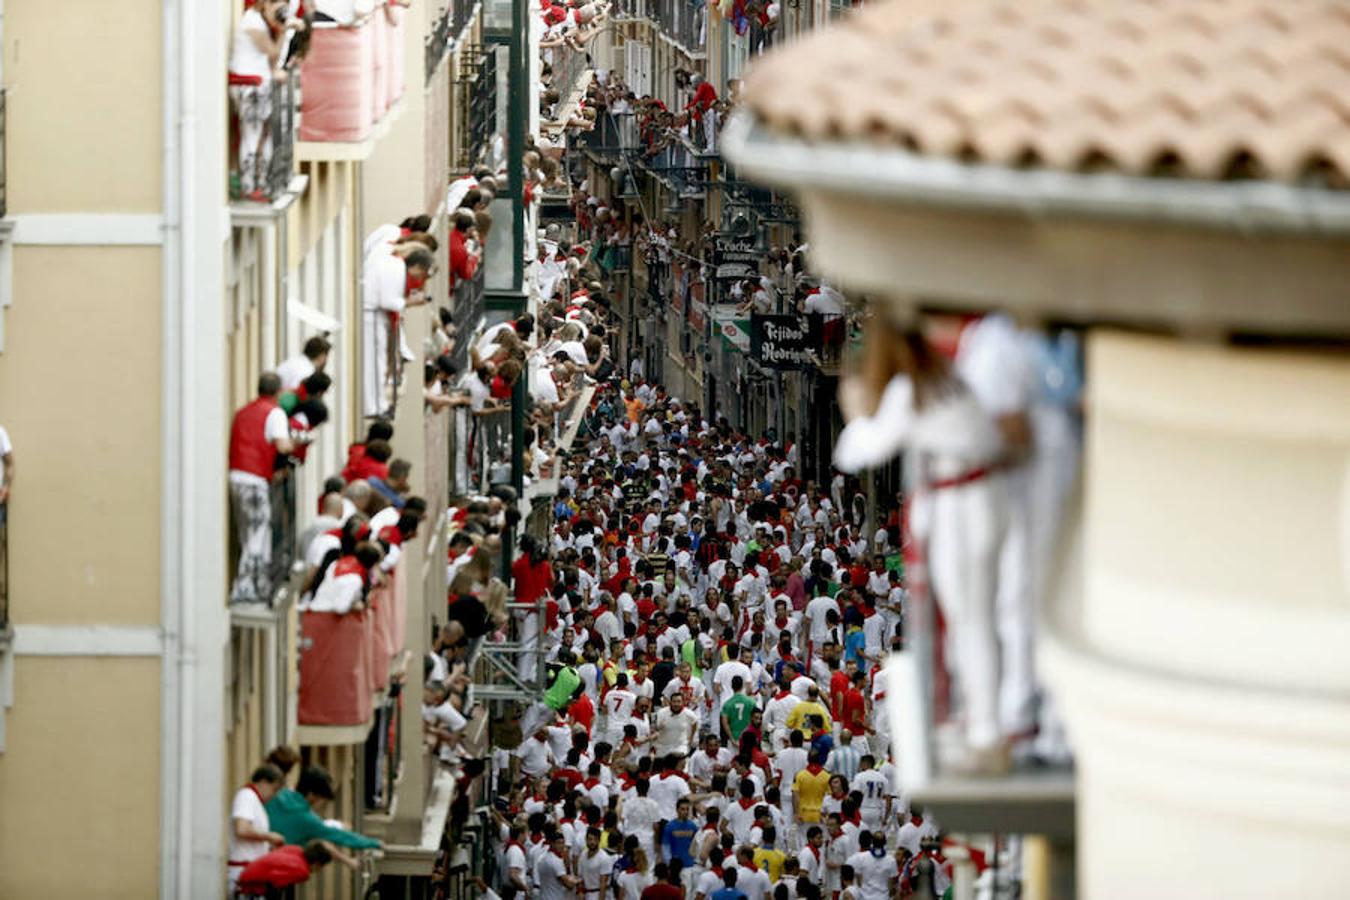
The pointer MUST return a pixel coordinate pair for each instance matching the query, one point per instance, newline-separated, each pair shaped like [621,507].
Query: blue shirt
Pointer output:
[385,491]
[853,648]
[823,745]
[728,893]
[677,837]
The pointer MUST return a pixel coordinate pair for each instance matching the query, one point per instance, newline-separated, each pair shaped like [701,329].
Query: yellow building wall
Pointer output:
[79,380]
[79,779]
[83,79]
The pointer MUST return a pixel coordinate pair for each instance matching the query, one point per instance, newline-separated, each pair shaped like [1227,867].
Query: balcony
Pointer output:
[571,76]
[614,136]
[272,167]
[354,80]
[4,567]
[446,32]
[477,93]
[682,22]
[345,663]
[4,194]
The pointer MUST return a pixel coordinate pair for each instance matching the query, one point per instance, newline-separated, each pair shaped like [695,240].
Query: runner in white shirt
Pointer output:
[676,728]
[876,791]
[594,867]
[874,868]
[551,873]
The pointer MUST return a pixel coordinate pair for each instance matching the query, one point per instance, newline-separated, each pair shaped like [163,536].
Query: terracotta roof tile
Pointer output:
[1193,88]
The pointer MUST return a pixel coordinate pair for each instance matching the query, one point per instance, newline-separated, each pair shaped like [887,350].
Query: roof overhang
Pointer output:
[1191,255]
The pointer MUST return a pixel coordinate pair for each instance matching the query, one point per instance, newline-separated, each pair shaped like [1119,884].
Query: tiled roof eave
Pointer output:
[894,174]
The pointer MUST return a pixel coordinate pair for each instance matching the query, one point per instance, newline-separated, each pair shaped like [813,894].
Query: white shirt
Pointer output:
[874,874]
[593,868]
[619,704]
[815,614]
[245,57]
[535,757]
[247,805]
[874,787]
[385,281]
[667,790]
[293,371]
[674,731]
[754,883]
[548,873]
[275,428]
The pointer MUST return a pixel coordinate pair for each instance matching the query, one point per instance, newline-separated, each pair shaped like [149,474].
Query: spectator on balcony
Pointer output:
[391,285]
[258,434]
[295,814]
[304,423]
[328,520]
[342,586]
[356,453]
[463,262]
[394,486]
[272,873]
[312,388]
[702,108]
[313,359]
[251,834]
[373,464]
[6,471]
[255,63]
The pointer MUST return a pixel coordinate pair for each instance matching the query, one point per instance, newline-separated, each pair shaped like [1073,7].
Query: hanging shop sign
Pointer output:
[735,256]
[783,342]
[733,328]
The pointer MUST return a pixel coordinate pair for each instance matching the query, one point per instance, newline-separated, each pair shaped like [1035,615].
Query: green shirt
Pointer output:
[290,816]
[738,710]
[689,652]
[559,695]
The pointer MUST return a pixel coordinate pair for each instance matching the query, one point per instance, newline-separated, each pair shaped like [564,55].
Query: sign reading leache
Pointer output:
[782,342]
[735,257]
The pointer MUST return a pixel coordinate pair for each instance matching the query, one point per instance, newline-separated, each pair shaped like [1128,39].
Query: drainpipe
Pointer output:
[174,756]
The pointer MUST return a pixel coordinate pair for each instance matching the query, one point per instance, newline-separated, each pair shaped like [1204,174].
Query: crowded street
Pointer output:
[675,449]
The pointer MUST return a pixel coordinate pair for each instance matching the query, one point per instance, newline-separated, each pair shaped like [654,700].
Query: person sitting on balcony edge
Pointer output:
[255,63]
[394,486]
[296,369]
[258,434]
[271,874]
[295,814]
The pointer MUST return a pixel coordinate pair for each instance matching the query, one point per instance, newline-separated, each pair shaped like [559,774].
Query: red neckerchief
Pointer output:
[815,768]
[780,623]
[536,837]
[746,802]
[815,851]
[510,844]
[591,782]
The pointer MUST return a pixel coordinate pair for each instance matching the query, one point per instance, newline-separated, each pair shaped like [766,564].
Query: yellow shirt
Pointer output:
[771,861]
[810,790]
[796,720]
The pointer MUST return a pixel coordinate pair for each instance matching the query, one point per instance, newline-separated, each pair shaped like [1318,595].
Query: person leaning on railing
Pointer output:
[255,63]
[295,815]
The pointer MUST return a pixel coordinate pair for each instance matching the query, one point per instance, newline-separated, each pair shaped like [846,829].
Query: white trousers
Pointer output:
[374,362]
[966,532]
[1016,608]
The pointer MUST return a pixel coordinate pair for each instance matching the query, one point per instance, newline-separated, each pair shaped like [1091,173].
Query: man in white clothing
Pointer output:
[251,834]
[385,297]
[676,728]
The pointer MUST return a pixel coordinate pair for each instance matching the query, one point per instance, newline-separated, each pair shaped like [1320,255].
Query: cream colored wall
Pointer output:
[79,779]
[82,78]
[79,381]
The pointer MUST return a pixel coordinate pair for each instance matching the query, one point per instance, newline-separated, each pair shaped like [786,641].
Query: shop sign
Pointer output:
[782,342]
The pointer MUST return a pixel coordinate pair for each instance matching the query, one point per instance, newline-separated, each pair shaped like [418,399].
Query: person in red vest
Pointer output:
[270,874]
[702,107]
[463,260]
[355,469]
[258,434]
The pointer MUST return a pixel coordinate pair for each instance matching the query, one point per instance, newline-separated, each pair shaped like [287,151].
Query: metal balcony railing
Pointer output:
[477,91]
[681,21]
[468,307]
[614,134]
[570,66]
[447,28]
[284,531]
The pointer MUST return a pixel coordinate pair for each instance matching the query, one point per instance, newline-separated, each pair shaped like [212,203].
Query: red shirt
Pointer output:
[281,868]
[531,581]
[583,711]
[838,687]
[462,265]
[662,891]
[855,711]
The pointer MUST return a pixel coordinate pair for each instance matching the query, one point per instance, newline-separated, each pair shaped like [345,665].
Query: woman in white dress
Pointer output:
[907,397]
